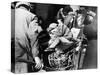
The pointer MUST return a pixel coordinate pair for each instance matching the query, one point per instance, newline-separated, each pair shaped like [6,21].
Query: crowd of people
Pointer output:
[66,31]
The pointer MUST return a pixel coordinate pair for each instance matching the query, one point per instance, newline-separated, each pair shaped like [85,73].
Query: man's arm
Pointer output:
[33,32]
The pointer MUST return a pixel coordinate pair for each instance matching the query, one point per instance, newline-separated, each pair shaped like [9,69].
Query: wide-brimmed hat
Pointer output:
[22,3]
[51,27]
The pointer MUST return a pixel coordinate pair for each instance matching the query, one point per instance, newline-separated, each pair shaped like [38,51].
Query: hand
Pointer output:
[64,40]
[38,63]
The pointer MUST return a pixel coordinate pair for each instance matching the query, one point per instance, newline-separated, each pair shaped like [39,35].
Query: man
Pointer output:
[26,43]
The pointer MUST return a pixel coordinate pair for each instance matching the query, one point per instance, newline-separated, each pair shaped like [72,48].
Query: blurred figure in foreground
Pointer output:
[26,43]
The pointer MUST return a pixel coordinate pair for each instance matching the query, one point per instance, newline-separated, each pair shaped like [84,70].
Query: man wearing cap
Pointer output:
[26,42]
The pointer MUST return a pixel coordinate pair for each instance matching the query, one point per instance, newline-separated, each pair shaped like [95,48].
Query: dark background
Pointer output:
[48,14]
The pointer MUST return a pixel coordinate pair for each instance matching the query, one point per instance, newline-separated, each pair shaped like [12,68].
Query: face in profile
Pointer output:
[80,20]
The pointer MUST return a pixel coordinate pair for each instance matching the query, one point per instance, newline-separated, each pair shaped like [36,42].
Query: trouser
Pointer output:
[21,67]
[20,53]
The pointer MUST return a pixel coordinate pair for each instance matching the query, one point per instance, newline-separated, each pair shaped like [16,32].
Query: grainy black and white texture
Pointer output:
[32,49]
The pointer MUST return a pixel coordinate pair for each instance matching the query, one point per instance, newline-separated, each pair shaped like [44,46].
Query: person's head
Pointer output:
[40,20]
[89,17]
[66,10]
[51,27]
[24,5]
[85,16]
[63,12]
[80,17]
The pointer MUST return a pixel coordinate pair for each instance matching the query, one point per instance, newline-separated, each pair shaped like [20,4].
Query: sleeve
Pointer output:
[35,43]
[67,33]
[33,34]
[35,49]
[68,19]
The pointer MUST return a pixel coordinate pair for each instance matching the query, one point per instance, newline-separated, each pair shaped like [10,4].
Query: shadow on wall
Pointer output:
[90,60]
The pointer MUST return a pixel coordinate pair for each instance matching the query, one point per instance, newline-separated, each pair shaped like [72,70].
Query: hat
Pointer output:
[91,13]
[22,3]
[52,26]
